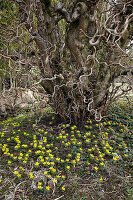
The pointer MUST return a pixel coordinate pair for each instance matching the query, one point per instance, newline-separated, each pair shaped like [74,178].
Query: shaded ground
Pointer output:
[41,158]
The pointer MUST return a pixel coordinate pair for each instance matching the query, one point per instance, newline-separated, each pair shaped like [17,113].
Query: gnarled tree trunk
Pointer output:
[81,50]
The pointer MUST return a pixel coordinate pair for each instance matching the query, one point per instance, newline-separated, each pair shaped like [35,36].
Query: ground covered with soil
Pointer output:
[42,158]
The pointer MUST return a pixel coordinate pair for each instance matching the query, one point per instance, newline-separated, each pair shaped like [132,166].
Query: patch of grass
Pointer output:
[44,159]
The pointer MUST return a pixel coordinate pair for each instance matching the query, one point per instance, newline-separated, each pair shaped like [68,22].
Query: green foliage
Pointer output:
[30,145]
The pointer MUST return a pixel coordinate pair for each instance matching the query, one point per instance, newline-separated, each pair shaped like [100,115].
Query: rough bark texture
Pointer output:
[80,57]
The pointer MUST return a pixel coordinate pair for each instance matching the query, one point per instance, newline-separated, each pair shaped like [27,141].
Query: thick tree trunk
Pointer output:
[78,67]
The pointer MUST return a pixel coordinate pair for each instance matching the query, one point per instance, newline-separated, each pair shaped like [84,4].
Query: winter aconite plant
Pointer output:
[47,157]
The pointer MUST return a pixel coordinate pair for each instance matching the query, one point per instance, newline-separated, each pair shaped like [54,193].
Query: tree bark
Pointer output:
[78,67]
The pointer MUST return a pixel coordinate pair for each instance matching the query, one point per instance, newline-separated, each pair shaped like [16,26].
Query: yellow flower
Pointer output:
[68,167]
[74,161]
[31,175]
[101,179]
[92,155]
[101,163]
[55,180]
[115,158]
[0,180]
[19,157]
[52,163]
[18,175]
[88,133]
[36,164]
[96,168]
[57,159]
[52,169]
[58,176]
[108,151]
[88,140]
[15,172]
[63,188]
[39,183]
[47,188]
[22,169]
